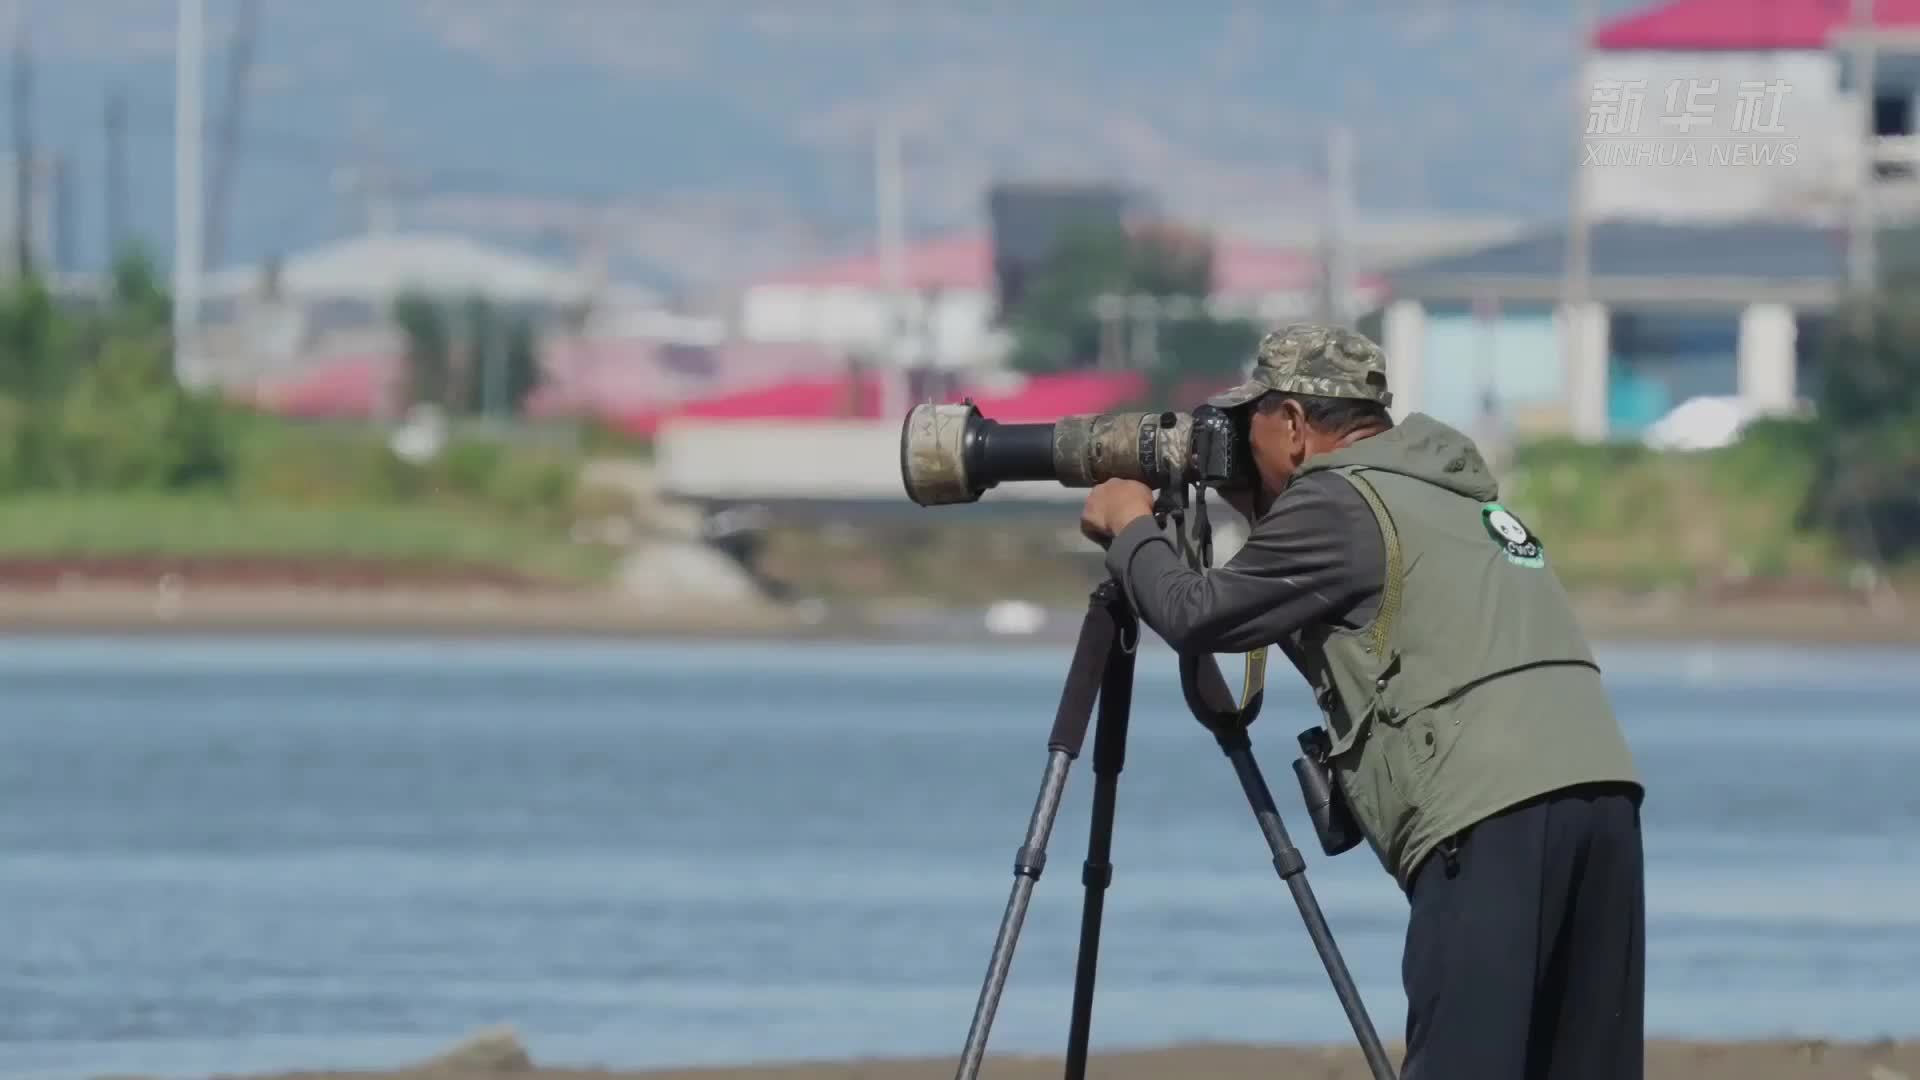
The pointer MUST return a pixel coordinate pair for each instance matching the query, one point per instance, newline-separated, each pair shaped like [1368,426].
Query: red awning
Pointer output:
[800,399]
[1047,398]
[351,388]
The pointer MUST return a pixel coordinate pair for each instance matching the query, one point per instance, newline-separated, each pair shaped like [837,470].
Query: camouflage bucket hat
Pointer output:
[1329,361]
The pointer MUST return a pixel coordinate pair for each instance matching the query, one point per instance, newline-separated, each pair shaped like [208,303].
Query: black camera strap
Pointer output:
[1197,550]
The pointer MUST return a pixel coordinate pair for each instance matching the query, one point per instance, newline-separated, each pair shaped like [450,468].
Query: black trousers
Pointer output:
[1526,945]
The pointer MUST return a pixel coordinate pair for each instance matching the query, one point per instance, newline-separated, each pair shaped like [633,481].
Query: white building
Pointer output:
[274,317]
[945,304]
[1713,110]
[1724,143]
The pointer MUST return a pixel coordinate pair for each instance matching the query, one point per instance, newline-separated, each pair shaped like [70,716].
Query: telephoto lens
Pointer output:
[952,454]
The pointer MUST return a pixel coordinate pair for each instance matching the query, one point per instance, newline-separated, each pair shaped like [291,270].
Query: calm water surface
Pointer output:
[235,855]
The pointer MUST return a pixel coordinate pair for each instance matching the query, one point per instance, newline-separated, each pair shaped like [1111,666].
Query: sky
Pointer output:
[758,117]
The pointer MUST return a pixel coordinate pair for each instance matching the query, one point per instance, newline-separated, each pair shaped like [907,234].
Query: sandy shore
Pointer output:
[1800,1060]
[481,610]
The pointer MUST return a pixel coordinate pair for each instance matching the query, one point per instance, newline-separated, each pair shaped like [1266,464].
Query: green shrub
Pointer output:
[469,467]
[125,425]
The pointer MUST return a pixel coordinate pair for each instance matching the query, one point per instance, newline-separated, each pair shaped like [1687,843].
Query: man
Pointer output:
[1471,736]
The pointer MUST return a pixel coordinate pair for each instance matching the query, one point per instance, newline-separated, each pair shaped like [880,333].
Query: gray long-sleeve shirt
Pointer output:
[1316,556]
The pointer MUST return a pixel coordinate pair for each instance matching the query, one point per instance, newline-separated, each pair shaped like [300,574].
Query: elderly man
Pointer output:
[1470,734]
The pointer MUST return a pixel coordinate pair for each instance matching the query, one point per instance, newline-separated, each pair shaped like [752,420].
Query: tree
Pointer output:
[459,356]
[1871,362]
[523,363]
[30,365]
[1867,489]
[429,378]
[1056,326]
[127,424]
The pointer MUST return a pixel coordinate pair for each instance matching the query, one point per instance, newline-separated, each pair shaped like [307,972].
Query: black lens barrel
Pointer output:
[998,453]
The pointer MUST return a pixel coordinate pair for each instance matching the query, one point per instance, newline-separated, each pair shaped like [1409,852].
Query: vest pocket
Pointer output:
[1357,769]
[1408,751]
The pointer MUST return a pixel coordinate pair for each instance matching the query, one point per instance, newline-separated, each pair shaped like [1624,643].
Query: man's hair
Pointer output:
[1335,416]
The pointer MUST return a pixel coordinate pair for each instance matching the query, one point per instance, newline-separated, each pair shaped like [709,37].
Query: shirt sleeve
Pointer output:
[1316,556]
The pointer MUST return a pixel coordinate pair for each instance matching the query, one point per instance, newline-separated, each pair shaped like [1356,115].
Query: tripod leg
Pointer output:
[1109,757]
[1292,868]
[1098,632]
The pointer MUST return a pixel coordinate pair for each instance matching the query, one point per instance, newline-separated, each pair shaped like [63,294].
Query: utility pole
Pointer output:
[890,205]
[1861,253]
[187,204]
[226,149]
[1576,285]
[116,172]
[493,389]
[23,163]
[1338,229]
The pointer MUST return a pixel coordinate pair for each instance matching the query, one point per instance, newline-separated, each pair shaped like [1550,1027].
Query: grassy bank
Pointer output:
[1617,520]
[212,527]
[1624,517]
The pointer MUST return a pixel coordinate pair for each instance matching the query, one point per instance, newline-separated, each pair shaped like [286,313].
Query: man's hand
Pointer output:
[1111,506]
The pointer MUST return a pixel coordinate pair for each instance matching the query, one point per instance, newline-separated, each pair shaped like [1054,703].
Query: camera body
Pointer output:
[1222,450]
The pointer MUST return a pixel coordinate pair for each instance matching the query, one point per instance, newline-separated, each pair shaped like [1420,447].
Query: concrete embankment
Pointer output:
[663,602]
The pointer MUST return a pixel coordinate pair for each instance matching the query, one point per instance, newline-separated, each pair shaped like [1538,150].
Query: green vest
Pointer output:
[1472,688]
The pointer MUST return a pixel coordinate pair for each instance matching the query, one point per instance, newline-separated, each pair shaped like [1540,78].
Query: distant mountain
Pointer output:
[719,138]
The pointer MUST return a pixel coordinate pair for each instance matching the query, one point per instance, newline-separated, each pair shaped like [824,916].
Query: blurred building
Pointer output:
[1683,311]
[1724,148]
[949,300]
[945,305]
[1730,109]
[1382,240]
[324,317]
[1026,221]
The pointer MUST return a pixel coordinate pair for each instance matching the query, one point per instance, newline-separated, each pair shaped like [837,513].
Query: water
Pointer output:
[238,855]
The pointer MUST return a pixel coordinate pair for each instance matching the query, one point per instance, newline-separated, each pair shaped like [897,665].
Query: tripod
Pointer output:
[1102,667]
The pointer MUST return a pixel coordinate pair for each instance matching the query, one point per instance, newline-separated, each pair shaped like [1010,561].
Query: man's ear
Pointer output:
[1296,425]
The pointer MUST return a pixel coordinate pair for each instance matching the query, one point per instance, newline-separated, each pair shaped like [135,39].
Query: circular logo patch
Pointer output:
[1521,546]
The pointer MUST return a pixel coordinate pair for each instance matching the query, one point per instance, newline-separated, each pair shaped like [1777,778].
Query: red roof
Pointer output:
[798,399]
[349,388]
[1703,25]
[1047,398]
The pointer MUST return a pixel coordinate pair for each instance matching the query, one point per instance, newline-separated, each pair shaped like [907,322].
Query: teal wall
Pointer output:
[1660,359]
[1656,360]
[1519,355]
